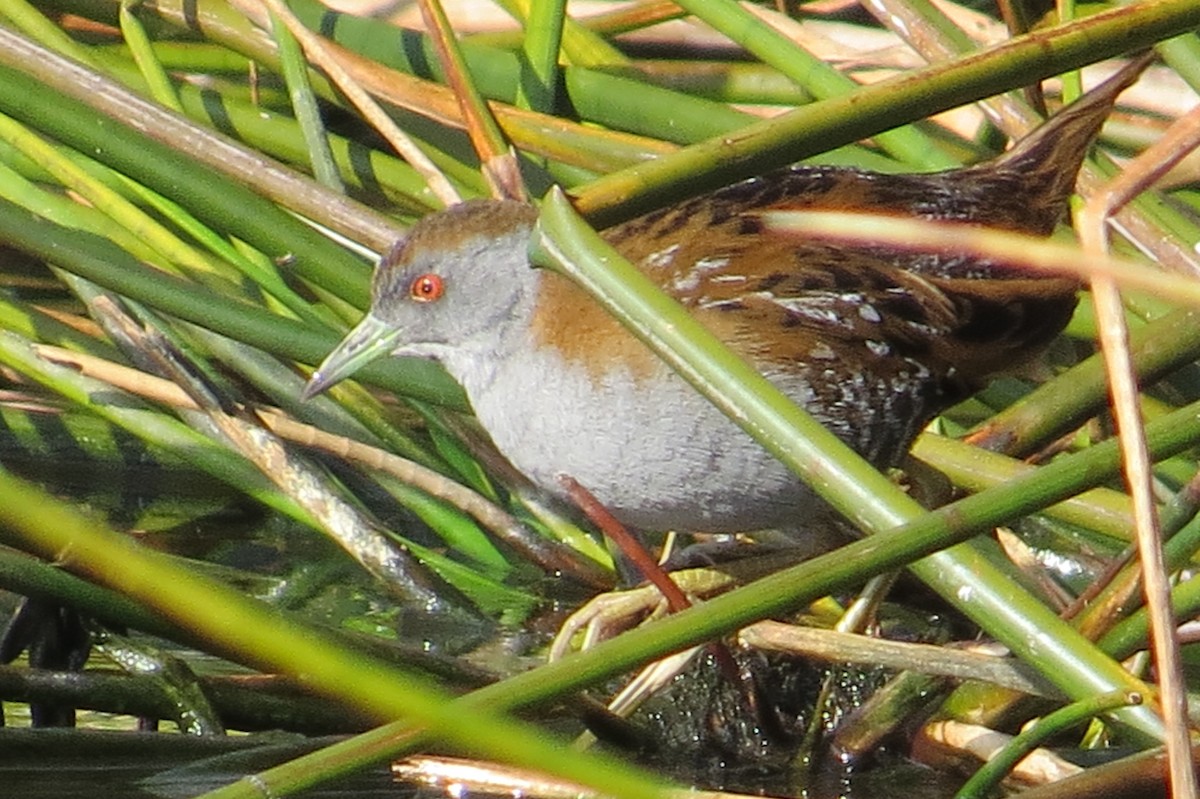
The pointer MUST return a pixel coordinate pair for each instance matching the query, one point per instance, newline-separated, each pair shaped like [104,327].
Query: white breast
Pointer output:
[655,452]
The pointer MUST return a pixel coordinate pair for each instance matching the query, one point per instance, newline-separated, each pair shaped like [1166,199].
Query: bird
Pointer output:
[873,342]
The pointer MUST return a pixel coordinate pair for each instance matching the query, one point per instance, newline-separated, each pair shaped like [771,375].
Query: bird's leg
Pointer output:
[637,553]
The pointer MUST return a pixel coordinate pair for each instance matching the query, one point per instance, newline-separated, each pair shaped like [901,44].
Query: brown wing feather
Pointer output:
[872,308]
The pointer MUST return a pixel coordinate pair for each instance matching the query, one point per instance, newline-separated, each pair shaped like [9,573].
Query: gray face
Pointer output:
[457,276]
[448,291]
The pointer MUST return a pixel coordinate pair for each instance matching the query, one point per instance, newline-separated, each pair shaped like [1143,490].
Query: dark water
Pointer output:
[53,764]
[699,734]
[64,764]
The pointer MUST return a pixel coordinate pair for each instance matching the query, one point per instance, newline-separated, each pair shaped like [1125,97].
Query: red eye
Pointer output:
[427,288]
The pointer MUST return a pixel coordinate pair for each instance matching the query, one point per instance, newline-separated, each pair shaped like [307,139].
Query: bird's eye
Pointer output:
[427,288]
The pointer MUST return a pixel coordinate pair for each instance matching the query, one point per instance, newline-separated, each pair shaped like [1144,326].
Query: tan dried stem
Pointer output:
[488,514]
[324,58]
[499,161]
[1091,221]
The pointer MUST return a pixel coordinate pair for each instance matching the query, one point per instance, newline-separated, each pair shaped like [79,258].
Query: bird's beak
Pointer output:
[371,339]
